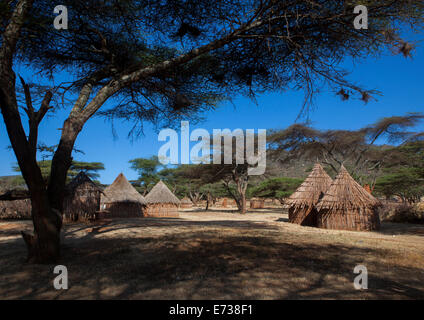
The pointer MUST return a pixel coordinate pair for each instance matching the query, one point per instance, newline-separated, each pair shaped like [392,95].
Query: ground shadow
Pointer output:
[202,264]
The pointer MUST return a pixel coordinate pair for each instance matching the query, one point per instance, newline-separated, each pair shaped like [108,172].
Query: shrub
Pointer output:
[403,213]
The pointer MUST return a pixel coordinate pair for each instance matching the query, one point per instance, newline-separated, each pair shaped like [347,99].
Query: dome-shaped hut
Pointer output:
[348,206]
[121,200]
[301,204]
[161,202]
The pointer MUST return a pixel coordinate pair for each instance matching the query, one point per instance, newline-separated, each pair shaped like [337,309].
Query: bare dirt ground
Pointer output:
[217,255]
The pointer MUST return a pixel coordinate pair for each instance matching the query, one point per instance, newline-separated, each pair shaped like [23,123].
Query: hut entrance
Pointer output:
[301,204]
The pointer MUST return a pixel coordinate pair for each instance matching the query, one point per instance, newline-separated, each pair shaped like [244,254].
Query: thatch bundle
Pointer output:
[301,203]
[348,206]
[121,200]
[82,200]
[186,203]
[161,202]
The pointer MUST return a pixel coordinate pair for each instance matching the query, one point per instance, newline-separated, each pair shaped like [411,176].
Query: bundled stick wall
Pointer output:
[15,209]
[161,210]
[82,200]
[348,206]
[161,202]
[301,204]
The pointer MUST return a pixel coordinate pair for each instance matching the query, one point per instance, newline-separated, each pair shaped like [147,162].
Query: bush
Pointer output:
[403,213]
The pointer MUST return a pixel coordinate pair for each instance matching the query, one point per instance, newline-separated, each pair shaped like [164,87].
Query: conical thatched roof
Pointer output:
[121,191]
[161,194]
[80,179]
[310,191]
[346,193]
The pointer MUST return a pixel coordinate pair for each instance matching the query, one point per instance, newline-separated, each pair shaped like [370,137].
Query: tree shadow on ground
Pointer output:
[389,228]
[205,265]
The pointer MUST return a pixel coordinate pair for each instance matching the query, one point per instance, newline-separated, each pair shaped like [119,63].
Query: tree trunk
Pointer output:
[208,200]
[44,244]
[243,203]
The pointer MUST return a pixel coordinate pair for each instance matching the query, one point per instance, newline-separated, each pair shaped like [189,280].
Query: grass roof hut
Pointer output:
[122,200]
[161,202]
[82,199]
[186,203]
[301,204]
[348,206]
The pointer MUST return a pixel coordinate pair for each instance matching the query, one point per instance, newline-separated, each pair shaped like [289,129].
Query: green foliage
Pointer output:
[403,172]
[147,169]
[275,188]
[407,183]
[216,190]
[89,168]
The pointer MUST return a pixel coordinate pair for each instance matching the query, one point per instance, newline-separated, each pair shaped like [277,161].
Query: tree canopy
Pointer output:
[275,188]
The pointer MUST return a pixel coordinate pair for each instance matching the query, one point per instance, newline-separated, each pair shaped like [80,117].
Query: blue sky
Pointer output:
[400,80]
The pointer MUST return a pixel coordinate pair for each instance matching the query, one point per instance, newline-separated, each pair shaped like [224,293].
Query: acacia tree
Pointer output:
[278,188]
[147,169]
[166,60]
[403,171]
[355,148]
[91,169]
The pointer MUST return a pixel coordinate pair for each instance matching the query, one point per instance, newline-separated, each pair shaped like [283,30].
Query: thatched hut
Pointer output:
[348,206]
[257,203]
[121,200]
[82,199]
[186,203]
[15,203]
[301,204]
[161,202]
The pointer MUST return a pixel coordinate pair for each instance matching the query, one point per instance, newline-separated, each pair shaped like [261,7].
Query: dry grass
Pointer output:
[218,255]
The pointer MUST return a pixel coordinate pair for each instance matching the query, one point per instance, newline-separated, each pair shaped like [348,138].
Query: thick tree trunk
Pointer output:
[44,244]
